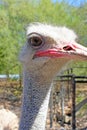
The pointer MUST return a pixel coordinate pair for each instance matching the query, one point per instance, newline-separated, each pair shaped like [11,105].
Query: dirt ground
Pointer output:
[10,98]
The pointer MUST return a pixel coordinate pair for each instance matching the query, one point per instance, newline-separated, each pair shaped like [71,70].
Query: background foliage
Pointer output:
[15,15]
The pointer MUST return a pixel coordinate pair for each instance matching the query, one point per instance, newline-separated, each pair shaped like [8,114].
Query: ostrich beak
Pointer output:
[75,51]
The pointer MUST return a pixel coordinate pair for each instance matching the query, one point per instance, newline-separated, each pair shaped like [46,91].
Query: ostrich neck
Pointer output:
[36,94]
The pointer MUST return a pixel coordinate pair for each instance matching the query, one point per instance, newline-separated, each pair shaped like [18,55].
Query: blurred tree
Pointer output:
[15,15]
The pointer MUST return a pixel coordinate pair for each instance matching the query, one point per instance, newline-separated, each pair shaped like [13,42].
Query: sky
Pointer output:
[73,2]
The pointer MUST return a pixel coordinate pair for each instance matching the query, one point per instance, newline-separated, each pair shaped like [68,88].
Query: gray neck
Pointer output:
[36,94]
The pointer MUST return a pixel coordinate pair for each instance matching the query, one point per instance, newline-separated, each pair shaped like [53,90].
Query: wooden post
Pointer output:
[62,94]
[51,109]
[73,103]
[20,77]
[68,88]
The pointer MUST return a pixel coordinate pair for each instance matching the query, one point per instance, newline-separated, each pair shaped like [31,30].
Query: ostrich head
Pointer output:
[51,46]
[46,51]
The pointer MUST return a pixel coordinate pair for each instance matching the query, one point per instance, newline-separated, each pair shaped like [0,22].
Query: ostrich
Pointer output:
[47,50]
[8,120]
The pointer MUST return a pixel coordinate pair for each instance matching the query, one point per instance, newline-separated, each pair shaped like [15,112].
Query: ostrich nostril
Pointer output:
[68,48]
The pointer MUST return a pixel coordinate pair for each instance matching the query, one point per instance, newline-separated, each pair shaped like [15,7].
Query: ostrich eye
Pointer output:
[35,40]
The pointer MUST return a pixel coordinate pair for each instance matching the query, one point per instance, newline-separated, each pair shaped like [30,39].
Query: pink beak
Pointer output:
[75,51]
